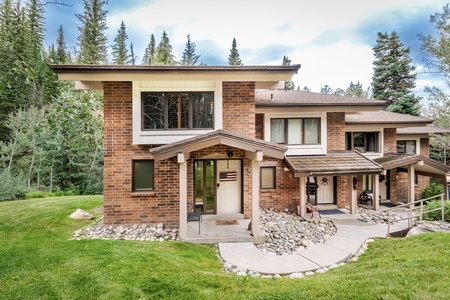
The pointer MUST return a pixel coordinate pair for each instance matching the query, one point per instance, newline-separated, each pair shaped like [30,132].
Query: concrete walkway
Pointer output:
[350,236]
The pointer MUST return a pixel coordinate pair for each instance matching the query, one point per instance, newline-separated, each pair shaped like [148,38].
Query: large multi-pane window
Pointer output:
[143,175]
[363,141]
[171,110]
[298,131]
[408,147]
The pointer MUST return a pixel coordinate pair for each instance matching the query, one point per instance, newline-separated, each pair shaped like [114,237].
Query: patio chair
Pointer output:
[364,197]
[312,208]
[194,215]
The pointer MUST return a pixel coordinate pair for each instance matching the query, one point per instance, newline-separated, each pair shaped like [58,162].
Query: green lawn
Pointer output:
[38,261]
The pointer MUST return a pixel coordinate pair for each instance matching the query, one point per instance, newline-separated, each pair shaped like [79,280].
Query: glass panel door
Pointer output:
[205,186]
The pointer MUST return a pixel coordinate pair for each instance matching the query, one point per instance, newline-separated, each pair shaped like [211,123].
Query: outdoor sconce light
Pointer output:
[230,153]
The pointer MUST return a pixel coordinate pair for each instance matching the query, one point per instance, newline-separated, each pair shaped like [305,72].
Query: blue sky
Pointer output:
[331,39]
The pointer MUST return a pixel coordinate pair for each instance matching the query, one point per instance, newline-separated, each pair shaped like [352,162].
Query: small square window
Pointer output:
[143,175]
[268,175]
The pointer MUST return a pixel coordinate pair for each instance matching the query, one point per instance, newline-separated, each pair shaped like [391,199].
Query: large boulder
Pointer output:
[80,214]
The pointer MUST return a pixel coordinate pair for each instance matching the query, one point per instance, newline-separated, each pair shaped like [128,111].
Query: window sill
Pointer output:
[267,190]
[143,193]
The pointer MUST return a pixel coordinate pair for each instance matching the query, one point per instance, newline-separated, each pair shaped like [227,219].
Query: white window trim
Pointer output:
[412,139]
[148,137]
[371,155]
[300,149]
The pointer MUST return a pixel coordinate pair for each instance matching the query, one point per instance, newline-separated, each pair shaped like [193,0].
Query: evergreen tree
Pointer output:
[233,58]
[164,54]
[288,85]
[91,38]
[356,90]
[132,56]
[435,47]
[189,56]
[394,77]
[61,48]
[326,89]
[150,52]
[120,51]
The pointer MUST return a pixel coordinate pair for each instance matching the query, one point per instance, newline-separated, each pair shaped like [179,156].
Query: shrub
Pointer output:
[431,190]
[436,215]
[11,187]
[37,194]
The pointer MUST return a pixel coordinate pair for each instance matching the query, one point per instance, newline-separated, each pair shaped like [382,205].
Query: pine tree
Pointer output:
[120,51]
[288,85]
[61,48]
[164,54]
[150,52]
[234,59]
[92,39]
[356,90]
[189,56]
[132,56]
[394,77]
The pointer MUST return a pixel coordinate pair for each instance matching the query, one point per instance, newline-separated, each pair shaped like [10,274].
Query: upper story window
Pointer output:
[408,147]
[295,131]
[173,110]
[363,141]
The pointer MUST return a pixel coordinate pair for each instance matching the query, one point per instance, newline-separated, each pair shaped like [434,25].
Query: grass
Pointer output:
[38,261]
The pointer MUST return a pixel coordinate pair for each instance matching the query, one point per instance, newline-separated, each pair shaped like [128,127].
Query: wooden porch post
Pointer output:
[411,183]
[182,158]
[376,192]
[353,195]
[258,237]
[302,207]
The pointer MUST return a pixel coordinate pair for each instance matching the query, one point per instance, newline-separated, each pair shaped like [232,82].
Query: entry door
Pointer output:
[229,183]
[325,190]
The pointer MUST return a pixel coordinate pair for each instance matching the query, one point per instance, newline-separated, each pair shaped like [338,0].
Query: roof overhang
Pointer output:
[102,73]
[422,165]
[218,137]
[334,163]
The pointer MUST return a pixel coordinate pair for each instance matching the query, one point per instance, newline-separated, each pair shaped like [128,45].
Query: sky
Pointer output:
[332,40]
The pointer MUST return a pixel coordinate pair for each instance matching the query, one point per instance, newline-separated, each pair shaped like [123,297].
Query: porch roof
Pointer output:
[385,118]
[334,163]
[219,137]
[422,165]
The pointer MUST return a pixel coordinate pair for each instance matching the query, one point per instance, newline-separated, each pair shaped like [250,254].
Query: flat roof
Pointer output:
[99,73]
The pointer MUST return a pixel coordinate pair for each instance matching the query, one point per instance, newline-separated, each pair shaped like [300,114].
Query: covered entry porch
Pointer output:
[335,177]
[235,180]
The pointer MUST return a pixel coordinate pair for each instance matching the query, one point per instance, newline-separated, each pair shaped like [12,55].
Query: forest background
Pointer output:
[51,135]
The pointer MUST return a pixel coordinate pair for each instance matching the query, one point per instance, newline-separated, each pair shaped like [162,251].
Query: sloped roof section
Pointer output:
[385,117]
[219,137]
[423,165]
[334,163]
[427,130]
[290,98]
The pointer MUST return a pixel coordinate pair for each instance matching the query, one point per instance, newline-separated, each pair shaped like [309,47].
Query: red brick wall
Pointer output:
[342,192]
[259,124]
[425,147]
[121,206]
[390,140]
[335,131]
[239,107]
[287,192]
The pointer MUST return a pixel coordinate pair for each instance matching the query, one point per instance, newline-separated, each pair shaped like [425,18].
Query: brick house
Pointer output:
[225,140]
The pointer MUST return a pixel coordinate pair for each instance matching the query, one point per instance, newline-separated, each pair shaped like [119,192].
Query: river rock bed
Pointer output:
[288,233]
[137,232]
[375,216]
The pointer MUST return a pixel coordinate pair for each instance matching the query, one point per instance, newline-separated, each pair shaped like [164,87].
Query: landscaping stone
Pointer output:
[136,232]
[295,275]
[288,233]
[375,216]
[429,226]
[80,214]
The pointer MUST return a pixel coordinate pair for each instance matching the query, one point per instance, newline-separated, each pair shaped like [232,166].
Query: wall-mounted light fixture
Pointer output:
[230,153]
